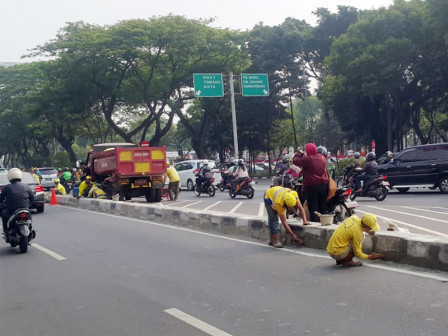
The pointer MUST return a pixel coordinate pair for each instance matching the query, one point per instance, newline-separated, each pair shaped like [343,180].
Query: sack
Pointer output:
[332,187]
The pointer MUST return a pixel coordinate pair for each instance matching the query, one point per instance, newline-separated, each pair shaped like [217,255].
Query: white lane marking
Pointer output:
[420,209]
[211,206]
[198,324]
[421,274]
[261,210]
[410,225]
[441,208]
[409,214]
[236,207]
[49,252]
[186,206]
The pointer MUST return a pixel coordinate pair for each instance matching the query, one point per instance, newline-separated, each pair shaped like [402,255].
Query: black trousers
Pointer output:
[316,197]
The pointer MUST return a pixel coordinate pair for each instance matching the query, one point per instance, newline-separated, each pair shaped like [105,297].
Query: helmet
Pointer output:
[285,161]
[167,163]
[14,174]
[370,156]
[59,169]
[56,181]
[66,169]
[74,170]
[356,155]
[204,162]
[389,154]
[322,150]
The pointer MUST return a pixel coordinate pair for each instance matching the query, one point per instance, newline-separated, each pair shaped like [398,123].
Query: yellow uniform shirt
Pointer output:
[96,192]
[348,231]
[59,187]
[274,197]
[82,187]
[172,174]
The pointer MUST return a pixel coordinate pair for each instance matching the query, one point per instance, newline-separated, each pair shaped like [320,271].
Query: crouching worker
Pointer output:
[346,241]
[277,201]
[96,192]
[85,187]
[58,187]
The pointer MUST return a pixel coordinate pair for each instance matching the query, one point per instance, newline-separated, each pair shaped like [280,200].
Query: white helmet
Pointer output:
[14,174]
[205,162]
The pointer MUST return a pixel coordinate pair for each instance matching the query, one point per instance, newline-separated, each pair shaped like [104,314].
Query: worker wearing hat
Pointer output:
[346,241]
[278,201]
[85,187]
[173,186]
[58,187]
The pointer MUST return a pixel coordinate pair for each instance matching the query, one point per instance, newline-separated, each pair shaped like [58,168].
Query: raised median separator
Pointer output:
[407,248]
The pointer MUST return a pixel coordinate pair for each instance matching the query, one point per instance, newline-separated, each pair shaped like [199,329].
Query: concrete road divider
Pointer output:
[407,248]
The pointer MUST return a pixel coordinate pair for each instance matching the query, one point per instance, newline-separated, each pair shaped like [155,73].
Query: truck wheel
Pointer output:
[150,195]
[158,195]
[127,195]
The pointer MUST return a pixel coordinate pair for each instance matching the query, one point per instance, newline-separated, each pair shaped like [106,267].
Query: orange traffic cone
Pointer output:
[54,200]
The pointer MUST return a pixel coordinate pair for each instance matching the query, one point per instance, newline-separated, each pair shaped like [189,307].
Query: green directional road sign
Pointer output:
[208,85]
[254,85]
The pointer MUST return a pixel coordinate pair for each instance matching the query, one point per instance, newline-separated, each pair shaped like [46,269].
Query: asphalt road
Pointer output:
[108,275]
[421,211]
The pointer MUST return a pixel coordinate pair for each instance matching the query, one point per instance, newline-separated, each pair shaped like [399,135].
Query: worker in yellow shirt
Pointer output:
[35,173]
[278,201]
[58,187]
[346,241]
[173,186]
[85,187]
[96,192]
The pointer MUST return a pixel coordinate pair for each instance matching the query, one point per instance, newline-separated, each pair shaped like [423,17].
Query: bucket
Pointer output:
[325,219]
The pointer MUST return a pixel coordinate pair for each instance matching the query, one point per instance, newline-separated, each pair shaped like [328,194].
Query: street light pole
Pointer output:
[232,103]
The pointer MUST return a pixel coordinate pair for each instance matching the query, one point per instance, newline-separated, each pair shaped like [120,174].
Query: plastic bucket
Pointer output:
[326,219]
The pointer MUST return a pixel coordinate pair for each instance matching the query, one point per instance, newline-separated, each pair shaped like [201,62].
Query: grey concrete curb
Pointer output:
[413,249]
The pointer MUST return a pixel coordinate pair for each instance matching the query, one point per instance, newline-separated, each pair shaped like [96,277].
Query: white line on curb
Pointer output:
[261,210]
[186,206]
[236,207]
[422,274]
[211,206]
[407,224]
[198,324]
[49,252]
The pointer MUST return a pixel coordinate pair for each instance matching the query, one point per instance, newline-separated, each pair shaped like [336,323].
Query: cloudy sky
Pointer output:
[25,24]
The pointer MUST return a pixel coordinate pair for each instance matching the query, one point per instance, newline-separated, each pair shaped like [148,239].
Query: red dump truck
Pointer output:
[128,170]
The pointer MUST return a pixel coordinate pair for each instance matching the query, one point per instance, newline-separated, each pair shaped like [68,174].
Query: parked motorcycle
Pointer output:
[20,230]
[341,205]
[205,188]
[245,188]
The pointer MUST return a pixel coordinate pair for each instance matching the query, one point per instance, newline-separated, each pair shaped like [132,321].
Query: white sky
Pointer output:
[25,24]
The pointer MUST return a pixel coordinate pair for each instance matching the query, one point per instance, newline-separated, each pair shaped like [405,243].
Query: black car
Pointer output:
[419,166]
[27,178]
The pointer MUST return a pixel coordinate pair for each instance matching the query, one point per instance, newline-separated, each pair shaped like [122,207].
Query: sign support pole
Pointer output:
[232,103]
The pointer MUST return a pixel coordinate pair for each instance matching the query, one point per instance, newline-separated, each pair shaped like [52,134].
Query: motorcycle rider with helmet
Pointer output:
[240,174]
[330,165]
[357,163]
[369,171]
[66,175]
[203,173]
[16,195]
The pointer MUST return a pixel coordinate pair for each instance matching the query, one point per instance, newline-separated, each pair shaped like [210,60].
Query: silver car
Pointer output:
[48,174]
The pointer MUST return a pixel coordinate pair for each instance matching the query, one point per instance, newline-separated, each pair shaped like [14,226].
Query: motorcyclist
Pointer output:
[389,156]
[369,171]
[330,165]
[58,187]
[15,195]
[240,175]
[357,162]
[284,167]
[204,173]
[66,175]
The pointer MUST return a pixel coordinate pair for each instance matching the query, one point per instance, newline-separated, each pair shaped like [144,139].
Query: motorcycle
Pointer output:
[226,181]
[68,185]
[20,230]
[341,205]
[245,189]
[205,188]
[376,187]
